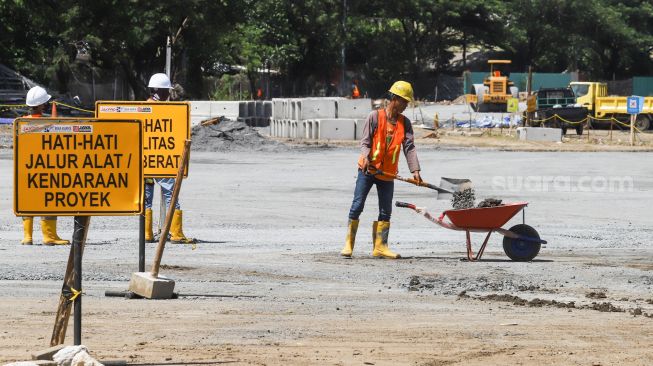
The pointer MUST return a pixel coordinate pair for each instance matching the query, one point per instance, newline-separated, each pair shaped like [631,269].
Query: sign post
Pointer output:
[166,125]
[81,168]
[635,105]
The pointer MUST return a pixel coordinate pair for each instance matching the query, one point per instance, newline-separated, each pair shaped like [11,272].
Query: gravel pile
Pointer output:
[463,199]
[489,202]
[232,136]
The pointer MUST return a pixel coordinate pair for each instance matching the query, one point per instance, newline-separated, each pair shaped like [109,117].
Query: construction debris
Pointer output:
[212,121]
[75,356]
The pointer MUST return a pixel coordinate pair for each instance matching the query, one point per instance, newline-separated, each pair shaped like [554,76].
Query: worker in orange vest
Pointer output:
[385,133]
[37,98]
[355,93]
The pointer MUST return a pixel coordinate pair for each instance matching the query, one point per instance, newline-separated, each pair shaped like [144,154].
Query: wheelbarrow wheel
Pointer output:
[522,250]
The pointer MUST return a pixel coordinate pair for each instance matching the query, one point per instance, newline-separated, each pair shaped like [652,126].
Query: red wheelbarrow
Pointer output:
[520,243]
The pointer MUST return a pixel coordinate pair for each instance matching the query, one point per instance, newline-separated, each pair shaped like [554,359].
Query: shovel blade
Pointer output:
[453,185]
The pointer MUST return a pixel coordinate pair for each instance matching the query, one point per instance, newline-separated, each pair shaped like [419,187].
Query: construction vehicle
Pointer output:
[493,94]
[594,96]
[557,108]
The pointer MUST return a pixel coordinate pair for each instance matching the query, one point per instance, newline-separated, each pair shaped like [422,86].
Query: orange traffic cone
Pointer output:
[54,110]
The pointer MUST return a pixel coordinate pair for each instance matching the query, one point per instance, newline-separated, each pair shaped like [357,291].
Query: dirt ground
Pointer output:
[266,286]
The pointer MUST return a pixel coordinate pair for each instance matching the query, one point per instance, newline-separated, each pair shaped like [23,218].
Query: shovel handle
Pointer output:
[409,180]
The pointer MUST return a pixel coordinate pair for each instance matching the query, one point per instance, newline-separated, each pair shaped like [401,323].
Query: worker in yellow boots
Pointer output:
[160,86]
[385,132]
[37,98]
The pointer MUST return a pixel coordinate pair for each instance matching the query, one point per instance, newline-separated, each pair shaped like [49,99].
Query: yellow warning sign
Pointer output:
[165,128]
[513,105]
[81,167]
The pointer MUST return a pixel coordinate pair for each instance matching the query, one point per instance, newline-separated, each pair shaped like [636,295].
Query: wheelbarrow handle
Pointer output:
[404,204]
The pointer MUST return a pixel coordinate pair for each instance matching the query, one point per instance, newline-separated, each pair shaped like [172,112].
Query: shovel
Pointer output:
[445,191]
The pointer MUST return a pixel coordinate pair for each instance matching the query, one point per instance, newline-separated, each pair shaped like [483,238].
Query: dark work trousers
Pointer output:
[385,190]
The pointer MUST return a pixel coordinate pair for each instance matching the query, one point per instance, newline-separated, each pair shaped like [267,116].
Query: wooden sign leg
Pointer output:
[68,291]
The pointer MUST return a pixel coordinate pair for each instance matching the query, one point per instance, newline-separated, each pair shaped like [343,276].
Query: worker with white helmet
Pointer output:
[37,98]
[385,133]
[159,87]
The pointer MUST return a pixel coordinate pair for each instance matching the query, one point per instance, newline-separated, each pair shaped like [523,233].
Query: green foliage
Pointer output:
[304,39]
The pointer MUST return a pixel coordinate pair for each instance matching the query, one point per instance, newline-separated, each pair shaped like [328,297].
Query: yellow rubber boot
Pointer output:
[28,224]
[176,232]
[381,241]
[149,235]
[374,226]
[49,230]
[351,238]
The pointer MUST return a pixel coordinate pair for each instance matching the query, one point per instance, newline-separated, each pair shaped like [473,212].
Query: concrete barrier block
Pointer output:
[259,108]
[264,122]
[316,108]
[360,124]
[273,127]
[310,129]
[229,109]
[242,109]
[278,108]
[251,108]
[353,108]
[200,107]
[336,129]
[267,109]
[299,129]
[539,134]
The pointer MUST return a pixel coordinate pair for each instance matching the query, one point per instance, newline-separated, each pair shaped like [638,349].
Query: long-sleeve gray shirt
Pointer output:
[408,144]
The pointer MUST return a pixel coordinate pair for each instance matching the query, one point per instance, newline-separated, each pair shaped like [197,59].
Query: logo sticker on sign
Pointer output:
[81,167]
[165,128]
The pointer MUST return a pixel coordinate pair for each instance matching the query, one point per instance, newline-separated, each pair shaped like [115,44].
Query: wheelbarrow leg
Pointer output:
[470,252]
[480,252]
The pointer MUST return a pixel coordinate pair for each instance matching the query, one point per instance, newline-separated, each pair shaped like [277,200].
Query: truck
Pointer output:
[493,94]
[557,107]
[594,96]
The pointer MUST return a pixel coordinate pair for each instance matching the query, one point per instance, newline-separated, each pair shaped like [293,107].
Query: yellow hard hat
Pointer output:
[402,89]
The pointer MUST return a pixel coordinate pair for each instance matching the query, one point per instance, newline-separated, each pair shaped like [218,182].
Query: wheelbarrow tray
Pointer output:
[484,218]
[520,243]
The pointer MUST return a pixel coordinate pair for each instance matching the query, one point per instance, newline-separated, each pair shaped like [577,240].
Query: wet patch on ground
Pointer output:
[604,307]
[452,285]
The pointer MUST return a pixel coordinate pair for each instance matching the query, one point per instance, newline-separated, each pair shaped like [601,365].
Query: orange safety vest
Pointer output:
[385,156]
[355,93]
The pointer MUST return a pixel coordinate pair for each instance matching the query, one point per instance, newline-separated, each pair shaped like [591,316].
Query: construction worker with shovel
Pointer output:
[37,99]
[159,87]
[385,132]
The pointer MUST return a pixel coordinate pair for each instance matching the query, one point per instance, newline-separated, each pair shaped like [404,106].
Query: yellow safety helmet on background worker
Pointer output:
[402,89]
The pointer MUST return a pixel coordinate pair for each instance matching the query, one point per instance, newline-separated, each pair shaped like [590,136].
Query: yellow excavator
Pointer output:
[493,94]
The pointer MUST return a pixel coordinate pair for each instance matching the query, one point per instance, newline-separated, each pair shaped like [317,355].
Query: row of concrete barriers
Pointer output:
[319,118]
[318,129]
[252,112]
[310,118]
